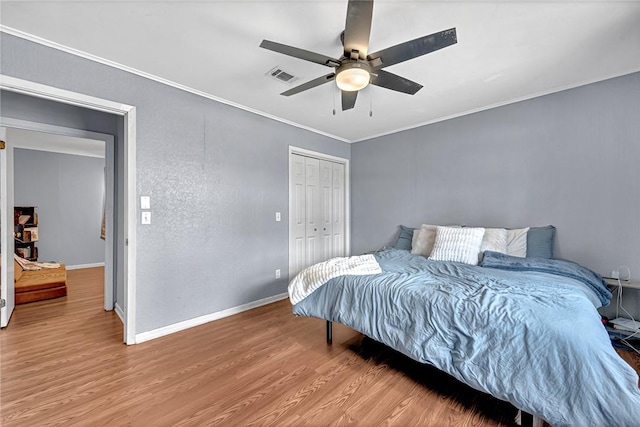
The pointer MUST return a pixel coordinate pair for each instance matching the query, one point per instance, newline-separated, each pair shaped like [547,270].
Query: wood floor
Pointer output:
[63,363]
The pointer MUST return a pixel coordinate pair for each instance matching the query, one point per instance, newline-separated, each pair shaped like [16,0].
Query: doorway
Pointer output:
[124,236]
[70,182]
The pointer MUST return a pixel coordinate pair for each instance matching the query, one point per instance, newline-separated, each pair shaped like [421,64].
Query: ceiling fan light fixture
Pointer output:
[353,76]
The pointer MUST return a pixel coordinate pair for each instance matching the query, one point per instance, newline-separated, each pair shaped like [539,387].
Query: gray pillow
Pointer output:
[404,238]
[540,242]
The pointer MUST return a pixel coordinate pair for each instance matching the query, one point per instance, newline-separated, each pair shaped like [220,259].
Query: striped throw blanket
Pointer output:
[311,278]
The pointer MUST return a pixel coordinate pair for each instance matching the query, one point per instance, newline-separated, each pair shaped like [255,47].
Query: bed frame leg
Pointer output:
[329,332]
[526,419]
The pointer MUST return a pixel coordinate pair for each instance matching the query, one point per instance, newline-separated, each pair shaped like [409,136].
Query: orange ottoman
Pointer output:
[40,284]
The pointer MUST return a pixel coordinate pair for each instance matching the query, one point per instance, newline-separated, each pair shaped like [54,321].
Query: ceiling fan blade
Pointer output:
[310,84]
[349,99]
[358,28]
[394,82]
[300,53]
[414,48]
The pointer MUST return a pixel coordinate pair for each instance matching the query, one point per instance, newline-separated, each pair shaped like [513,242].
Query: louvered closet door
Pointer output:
[313,212]
[298,225]
[318,211]
[326,208]
[338,210]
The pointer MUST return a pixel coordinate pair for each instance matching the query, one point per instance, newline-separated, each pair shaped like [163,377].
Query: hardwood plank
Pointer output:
[63,363]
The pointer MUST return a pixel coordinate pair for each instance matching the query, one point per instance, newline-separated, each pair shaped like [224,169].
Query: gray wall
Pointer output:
[23,107]
[215,174]
[68,192]
[569,159]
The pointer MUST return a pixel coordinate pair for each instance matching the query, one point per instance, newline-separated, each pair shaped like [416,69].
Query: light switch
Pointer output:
[277,216]
[146,218]
[145,202]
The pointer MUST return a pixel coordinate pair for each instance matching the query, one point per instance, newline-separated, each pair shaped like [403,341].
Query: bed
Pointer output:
[525,330]
[39,283]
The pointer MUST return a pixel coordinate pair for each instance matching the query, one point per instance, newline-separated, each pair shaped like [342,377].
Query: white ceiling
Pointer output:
[507,51]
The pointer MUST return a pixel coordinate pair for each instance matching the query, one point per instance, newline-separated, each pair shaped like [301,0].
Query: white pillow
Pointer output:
[414,239]
[495,239]
[517,242]
[422,244]
[457,244]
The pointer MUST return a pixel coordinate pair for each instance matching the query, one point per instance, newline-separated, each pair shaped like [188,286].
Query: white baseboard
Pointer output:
[80,266]
[176,327]
[119,311]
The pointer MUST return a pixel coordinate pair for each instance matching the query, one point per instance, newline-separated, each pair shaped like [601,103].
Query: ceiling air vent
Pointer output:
[279,74]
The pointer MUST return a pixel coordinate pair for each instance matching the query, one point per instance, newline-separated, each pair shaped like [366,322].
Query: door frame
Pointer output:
[6,238]
[347,196]
[128,113]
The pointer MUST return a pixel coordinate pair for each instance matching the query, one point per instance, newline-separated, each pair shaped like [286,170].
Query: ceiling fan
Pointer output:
[356,69]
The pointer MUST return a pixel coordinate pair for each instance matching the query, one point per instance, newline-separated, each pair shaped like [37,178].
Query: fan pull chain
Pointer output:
[334,102]
[371,105]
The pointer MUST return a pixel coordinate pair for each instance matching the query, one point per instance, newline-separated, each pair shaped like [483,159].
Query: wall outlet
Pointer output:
[615,274]
[277,273]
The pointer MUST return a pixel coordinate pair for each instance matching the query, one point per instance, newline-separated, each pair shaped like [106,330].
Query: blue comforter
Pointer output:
[532,338]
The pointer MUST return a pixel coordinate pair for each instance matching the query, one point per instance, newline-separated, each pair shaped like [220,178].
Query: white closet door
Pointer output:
[298,225]
[317,211]
[314,249]
[326,211]
[338,210]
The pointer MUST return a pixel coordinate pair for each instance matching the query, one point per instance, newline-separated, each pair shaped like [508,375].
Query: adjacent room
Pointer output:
[320,213]
[59,201]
